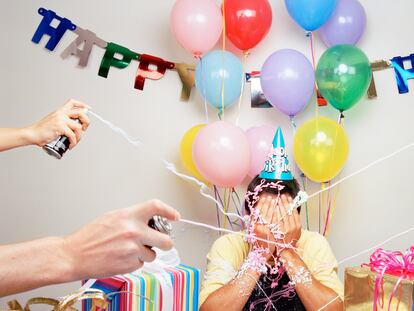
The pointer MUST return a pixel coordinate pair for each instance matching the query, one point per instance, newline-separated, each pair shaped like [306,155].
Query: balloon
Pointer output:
[196,24]
[260,140]
[343,75]
[221,154]
[310,14]
[321,149]
[288,81]
[247,22]
[346,25]
[186,151]
[216,70]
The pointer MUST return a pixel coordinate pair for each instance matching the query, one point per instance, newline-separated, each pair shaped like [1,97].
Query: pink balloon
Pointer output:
[197,24]
[260,140]
[221,154]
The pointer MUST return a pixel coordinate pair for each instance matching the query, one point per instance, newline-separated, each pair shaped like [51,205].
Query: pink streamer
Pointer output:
[394,263]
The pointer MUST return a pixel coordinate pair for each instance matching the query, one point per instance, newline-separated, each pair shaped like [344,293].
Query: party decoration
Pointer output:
[221,154]
[109,60]
[310,14]
[343,75]
[45,28]
[260,141]
[288,81]
[346,25]
[386,283]
[186,151]
[247,22]
[88,39]
[164,284]
[403,75]
[257,100]
[196,24]
[376,66]
[144,71]
[321,149]
[277,163]
[186,74]
[219,77]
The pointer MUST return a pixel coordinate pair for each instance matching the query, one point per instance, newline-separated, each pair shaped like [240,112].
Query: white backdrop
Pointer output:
[41,196]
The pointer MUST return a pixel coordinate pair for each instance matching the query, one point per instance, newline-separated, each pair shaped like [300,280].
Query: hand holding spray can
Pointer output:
[56,148]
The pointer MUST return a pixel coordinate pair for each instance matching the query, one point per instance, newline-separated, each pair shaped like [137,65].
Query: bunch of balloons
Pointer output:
[197,26]
[223,154]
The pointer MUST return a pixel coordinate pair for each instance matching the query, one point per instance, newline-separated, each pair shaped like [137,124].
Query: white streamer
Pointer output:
[364,168]
[168,165]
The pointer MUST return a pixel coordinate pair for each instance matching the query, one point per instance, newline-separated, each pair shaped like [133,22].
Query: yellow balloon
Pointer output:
[321,149]
[186,151]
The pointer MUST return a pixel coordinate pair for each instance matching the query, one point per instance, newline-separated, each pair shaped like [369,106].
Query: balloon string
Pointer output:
[328,216]
[310,34]
[304,186]
[217,197]
[241,91]
[328,212]
[222,57]
[204,90]
[333,210]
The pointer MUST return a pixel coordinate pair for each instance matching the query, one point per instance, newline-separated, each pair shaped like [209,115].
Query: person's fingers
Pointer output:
[76,128]
[153,238]
[81,116]
[71,136]
[259,204]
[270,211]
[275,219]
[146,254]
[289,219]
[279,219]
[295,213]
[73,103]
[296,217]
[265,207]
[156,207]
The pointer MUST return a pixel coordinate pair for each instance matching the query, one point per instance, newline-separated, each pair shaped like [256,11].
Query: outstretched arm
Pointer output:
[121,237]
[59,122]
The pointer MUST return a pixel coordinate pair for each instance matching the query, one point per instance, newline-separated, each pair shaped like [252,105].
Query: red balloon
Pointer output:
[247,22]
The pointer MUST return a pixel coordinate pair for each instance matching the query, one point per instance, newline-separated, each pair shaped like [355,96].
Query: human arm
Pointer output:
[115,243]
[60,122]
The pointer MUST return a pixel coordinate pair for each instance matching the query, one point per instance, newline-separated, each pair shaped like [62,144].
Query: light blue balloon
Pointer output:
[216,69]
[310,14]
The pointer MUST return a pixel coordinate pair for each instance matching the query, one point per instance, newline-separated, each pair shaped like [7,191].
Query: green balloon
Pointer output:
[343,75]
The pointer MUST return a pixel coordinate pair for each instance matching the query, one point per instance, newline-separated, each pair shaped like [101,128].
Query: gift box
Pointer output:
[155,287]
[386,283]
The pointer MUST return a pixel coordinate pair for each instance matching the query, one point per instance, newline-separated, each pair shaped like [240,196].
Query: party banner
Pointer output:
[154,68]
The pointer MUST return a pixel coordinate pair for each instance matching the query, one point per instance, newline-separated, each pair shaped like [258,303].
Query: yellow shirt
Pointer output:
[228,253]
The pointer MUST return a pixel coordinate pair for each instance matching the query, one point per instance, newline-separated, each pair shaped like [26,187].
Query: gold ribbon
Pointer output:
[376,66]
[186,73]
[99,300]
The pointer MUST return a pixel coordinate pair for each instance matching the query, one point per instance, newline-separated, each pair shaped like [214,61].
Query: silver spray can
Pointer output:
[160,224]
[56,148]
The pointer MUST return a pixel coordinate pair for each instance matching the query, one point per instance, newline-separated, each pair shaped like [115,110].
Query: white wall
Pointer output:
[41,196]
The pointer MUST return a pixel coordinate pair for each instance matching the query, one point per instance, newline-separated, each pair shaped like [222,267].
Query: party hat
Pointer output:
[277,163]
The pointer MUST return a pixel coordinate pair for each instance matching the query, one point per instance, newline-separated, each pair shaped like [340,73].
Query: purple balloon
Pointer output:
[260,141]
[346,25]
[288,81]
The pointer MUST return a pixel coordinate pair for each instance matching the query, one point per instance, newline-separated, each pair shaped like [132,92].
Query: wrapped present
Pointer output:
[386,283]
[161,285]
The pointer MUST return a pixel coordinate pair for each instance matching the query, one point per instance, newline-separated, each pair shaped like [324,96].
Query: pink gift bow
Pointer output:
[394,263]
